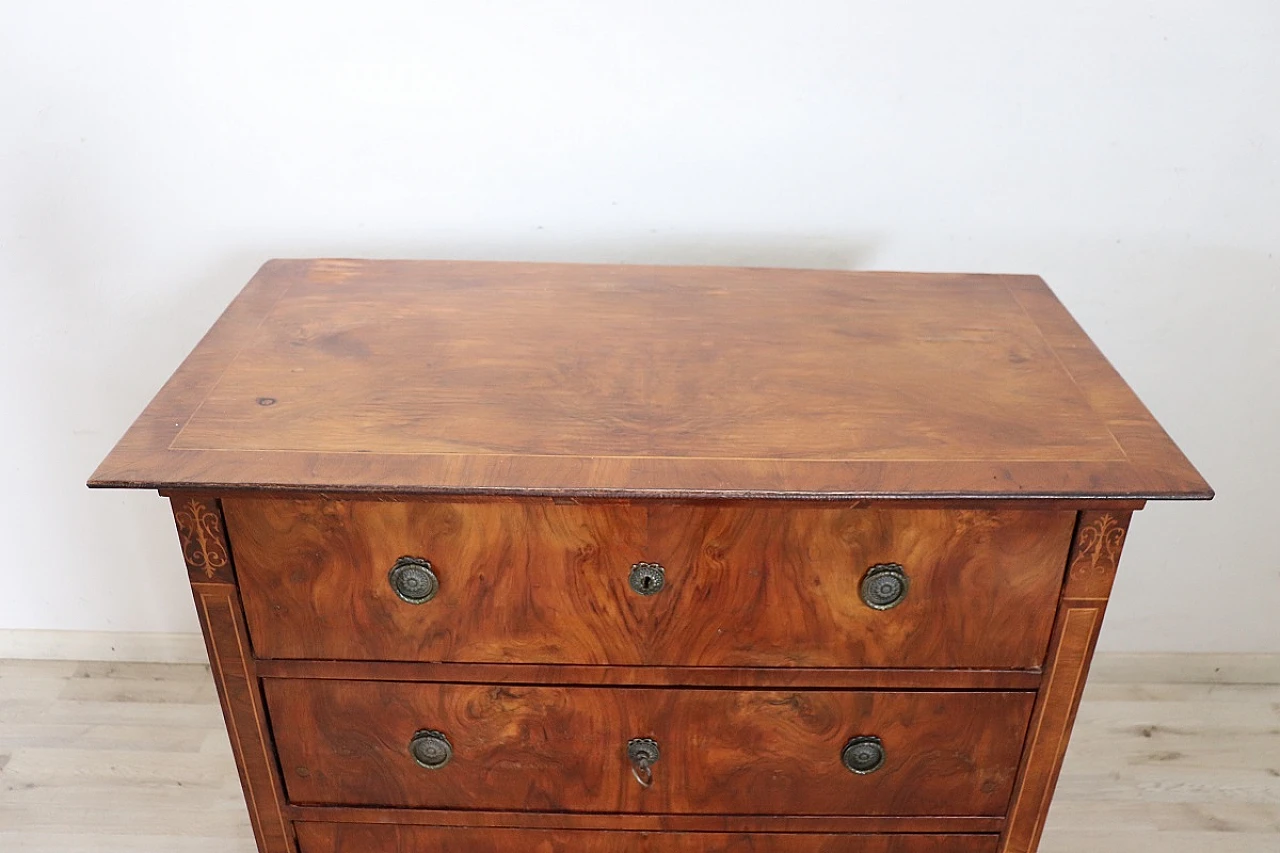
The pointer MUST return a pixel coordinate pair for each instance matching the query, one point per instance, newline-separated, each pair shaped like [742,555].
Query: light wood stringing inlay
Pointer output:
[204,544]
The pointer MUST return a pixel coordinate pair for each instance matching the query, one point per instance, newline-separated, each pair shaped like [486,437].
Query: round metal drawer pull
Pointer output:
[884,586]
[863,755]
[413,580]
[430,749]
[643,753]
[647,578]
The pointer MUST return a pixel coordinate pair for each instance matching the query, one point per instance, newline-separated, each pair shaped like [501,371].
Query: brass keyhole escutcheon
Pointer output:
[647,578]
[643,753]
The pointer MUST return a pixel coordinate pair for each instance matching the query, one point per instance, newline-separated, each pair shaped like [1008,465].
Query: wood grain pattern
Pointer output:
[766,435]
[656,676]
[1170,753]
[1095,556]
[832,824]
[1146,444]
[451,377]
[202,533]
[542,583]
[358,838]
[243,709]
[723,751]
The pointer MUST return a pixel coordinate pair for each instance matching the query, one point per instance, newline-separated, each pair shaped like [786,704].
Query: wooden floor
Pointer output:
[1170,754]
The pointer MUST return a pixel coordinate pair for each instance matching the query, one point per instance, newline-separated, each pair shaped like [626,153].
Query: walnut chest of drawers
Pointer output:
[496,557]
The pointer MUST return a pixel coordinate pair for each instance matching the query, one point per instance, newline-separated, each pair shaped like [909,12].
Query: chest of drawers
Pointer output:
[598,558]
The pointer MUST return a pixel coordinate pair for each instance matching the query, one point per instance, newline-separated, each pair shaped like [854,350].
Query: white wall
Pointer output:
[153,154]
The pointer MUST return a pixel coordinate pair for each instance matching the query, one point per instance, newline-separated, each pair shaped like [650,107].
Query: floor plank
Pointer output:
[109,757]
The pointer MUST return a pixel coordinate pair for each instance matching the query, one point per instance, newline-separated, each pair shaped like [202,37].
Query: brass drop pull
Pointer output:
[863,755]
[884,586]
[431,749]
[643,753]
[647,578]
[413,580]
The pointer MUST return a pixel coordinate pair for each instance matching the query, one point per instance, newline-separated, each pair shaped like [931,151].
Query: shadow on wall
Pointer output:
[821,251]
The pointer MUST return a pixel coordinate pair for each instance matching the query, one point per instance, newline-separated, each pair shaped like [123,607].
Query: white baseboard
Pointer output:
[1186,668]
[102,645]
[189,648]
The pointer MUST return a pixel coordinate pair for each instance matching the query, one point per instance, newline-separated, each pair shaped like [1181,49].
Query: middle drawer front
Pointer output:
[718,751]
[742,585]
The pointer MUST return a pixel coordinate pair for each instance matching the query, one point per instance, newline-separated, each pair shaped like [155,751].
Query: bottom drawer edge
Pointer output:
[322,837]
[615,821]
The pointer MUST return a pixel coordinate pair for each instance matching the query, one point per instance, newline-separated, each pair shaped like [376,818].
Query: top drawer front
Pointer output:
[743,585]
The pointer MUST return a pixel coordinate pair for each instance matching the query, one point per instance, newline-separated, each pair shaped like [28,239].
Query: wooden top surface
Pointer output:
[626,381]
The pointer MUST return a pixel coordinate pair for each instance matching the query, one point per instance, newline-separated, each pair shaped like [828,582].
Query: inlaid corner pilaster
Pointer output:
[1090,571]
[204,540]
[244,710]
[1095,554]
[210,567]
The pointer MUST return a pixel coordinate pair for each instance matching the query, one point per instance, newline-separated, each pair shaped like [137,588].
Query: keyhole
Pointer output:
[646,578]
